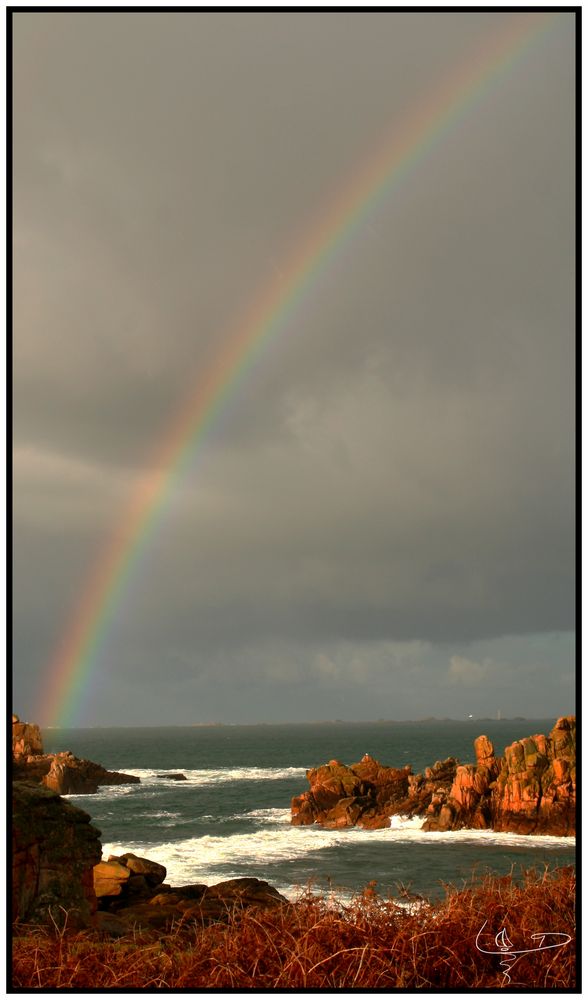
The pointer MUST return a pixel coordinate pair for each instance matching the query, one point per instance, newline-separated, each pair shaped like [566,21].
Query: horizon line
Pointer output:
[312,722]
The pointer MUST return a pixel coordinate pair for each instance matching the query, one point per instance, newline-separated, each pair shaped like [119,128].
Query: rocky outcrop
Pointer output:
[363,794]
[127,876]
[532,789]
[428,792]
[26,738]
[173,777]
[58,877]
[184,907]
[466,801]
[535,791]
[67,775]
[61,772]
[71,775]
[367,794]
[131,896]
[54,850]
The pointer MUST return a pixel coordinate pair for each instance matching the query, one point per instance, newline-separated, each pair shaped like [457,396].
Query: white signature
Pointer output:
[510,954]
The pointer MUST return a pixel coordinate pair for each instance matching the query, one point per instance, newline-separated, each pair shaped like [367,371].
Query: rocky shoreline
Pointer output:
[59,875]
[530,790]
[60,772]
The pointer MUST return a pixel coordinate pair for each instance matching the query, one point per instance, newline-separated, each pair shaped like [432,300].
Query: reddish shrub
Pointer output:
[373,943]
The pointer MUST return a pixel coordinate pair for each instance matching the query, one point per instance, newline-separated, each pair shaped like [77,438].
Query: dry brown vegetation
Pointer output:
[370,944]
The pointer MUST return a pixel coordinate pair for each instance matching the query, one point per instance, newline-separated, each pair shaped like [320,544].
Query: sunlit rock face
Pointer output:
[532,789]
[536,789]
[61,772]
[26,738]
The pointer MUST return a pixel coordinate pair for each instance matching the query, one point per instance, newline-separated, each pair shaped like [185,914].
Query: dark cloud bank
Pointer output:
[381,524]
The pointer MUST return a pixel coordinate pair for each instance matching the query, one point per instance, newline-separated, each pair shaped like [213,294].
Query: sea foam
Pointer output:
[214,776]
[212,858]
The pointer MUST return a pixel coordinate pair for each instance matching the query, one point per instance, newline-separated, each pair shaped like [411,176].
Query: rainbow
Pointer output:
[68,676]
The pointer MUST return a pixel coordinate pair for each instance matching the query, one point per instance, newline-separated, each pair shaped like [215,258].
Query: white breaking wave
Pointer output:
[163,814]
[212,858]
[153,781]
[406,822]
[270,815]
[214,776]
[104,791]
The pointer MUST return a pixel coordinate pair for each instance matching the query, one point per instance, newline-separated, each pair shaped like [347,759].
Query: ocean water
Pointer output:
[231,818]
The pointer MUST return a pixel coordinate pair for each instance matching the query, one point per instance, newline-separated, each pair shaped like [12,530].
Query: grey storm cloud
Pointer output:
[397,470]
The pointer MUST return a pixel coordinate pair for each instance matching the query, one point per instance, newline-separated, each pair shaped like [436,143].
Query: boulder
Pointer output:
[303,812]
[173,777]
[184,906]
[563,739]
[373,820]
[54,850]
[31,769]
[110,877]
[126,876]
[194,891]
[244,892]
[151,870]
[138,887]
[110,925]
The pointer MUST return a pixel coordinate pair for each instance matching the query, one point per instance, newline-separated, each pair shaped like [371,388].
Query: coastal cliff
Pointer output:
[54,845]
[54,850]
[532,789]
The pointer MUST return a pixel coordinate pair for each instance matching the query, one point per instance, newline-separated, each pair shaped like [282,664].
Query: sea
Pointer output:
[231,817]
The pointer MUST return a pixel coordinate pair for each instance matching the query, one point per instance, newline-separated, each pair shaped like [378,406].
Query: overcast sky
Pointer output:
[381,523]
